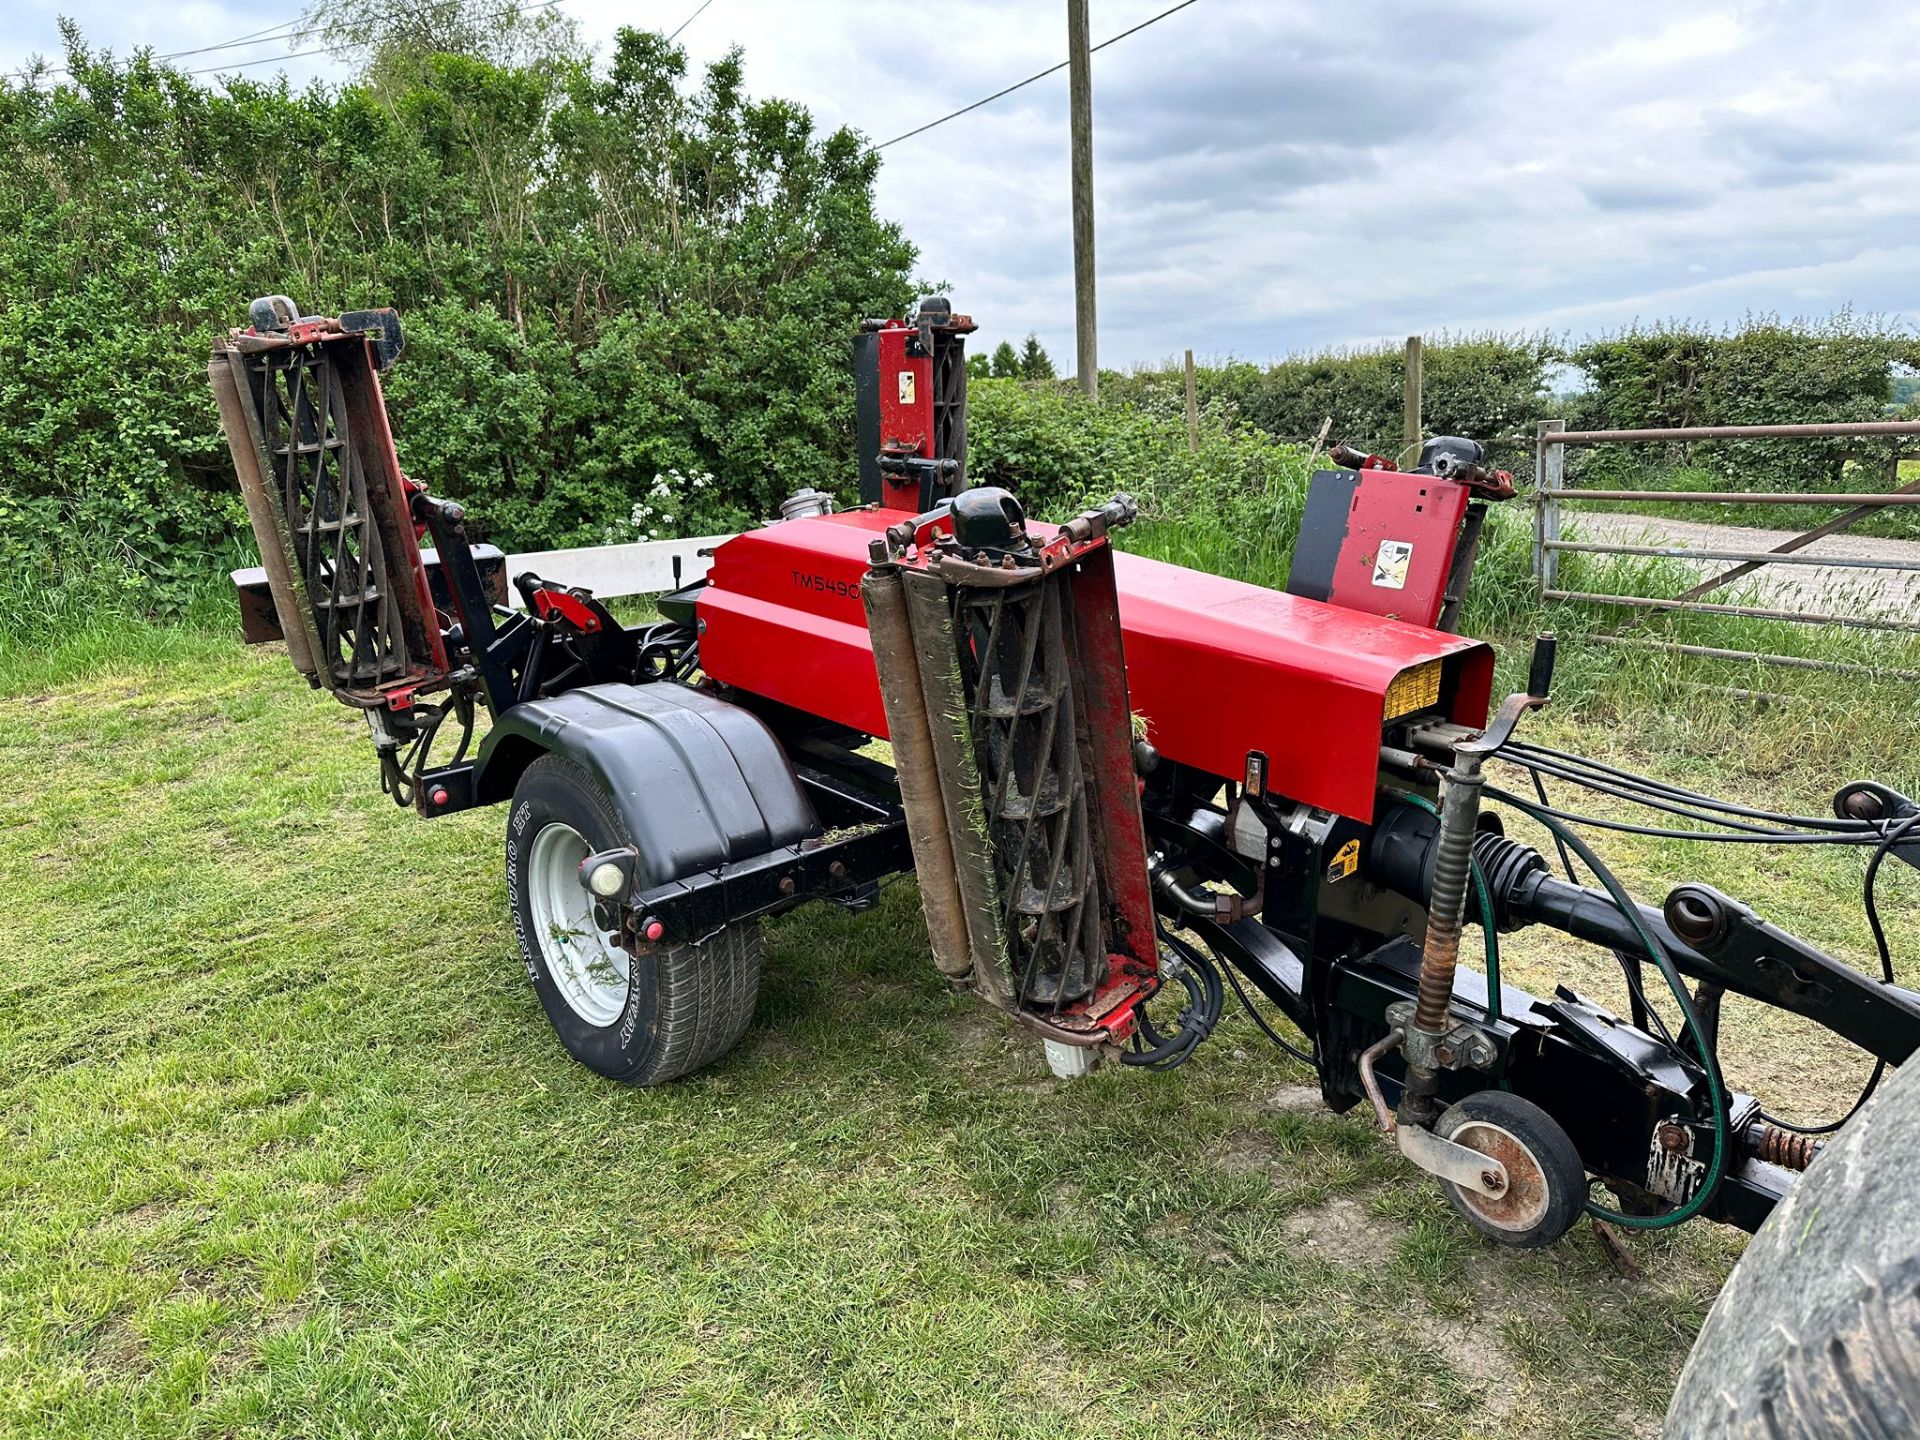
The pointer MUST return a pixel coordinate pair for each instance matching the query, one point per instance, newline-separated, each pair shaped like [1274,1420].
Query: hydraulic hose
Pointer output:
[1657,952]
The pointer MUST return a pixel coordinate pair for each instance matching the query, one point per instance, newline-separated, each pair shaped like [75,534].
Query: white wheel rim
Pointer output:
[586,966]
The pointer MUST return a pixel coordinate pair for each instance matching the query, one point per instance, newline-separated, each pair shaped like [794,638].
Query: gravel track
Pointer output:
[1833,589]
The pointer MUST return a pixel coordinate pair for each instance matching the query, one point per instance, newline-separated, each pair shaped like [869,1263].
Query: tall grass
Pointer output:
[93,605]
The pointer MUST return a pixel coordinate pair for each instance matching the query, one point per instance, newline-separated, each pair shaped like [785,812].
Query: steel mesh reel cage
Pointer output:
[1014,655]
[319,479]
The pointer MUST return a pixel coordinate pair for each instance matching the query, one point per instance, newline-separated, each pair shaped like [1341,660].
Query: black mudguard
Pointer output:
[698,781]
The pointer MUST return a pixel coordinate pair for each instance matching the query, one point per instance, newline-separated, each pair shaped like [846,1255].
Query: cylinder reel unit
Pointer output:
[300,402]
[1000,667]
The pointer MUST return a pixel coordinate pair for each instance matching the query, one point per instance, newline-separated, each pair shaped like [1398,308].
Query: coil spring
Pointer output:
[1784,1148]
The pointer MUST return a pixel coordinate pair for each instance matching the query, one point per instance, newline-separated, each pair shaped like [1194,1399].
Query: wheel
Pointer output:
[1817,1333]
[642,1021]
[1546,1183]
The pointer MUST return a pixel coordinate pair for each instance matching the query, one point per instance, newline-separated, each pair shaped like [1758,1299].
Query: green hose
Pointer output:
[1662,961]
[1658,953]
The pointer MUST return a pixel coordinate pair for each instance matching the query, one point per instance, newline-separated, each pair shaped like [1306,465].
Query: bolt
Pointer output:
[1443,1054]
[1674,1138]
[838,870]
[1490,1179]
[786,884]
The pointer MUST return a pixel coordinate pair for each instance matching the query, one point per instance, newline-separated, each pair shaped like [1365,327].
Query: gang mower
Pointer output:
[1125,789]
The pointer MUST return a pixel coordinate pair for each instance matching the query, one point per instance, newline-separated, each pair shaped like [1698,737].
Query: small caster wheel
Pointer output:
[1546,1183]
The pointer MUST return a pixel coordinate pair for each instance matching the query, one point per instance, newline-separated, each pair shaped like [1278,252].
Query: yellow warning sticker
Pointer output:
[1345,861]
[906,387]
[1390,565]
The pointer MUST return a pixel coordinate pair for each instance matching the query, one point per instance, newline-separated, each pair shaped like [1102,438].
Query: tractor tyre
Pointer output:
[1817,1332]
[1547,1184]
[642,1021]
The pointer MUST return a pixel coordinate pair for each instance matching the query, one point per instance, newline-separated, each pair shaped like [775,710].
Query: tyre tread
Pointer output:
[704,993]
[1817,1332]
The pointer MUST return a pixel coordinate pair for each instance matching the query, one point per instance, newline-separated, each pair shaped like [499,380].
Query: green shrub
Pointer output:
[1491,388]
[606,276]
[1764,372]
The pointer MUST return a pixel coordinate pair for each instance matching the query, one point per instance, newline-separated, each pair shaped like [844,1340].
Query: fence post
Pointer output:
[1410,401]
[1549,470]
[1193,407]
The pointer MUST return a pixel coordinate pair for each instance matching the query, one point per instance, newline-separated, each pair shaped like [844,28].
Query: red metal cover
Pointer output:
[1217,667]
[906,412]
[1399,544]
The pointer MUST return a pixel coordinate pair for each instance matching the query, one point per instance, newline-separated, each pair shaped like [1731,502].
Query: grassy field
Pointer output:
[289,1148]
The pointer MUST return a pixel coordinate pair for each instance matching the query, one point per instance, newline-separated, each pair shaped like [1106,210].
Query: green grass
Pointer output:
[289,1149]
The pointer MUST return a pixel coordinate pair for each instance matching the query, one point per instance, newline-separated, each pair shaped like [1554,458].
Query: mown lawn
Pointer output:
[289,1150]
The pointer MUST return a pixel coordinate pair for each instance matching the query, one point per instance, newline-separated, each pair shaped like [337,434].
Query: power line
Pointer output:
[269,60]
[688,21]
[254,37]
[1022,84]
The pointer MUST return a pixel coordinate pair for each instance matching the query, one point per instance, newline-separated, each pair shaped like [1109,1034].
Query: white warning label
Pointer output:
[906,387]
[1390,565]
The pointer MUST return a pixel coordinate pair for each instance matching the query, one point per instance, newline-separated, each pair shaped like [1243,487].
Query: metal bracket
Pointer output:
[1469,1169]
[1672,1171]
[1463,1047]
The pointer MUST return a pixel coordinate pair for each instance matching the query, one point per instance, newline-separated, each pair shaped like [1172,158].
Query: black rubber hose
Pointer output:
[1871,904]
[1205,1000]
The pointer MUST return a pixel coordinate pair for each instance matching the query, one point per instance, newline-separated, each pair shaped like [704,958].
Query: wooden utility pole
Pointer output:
[1080,98]
[1193,407]
[1410,418]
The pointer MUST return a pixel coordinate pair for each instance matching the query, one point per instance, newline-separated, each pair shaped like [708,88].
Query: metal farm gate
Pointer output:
[1553,492]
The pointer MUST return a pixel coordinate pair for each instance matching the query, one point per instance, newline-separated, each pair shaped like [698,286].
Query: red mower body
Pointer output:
[1218,668]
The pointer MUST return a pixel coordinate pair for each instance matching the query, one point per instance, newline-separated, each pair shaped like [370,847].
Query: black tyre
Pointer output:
[642,1021]
[1546,1183]
[1817,1333]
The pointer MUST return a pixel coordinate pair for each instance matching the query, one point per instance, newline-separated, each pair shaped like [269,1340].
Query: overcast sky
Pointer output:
[1275,175]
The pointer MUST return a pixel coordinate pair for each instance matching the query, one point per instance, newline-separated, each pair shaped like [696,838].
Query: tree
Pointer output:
[606,276]
[1005,364]
[388,38]
[1034,362]
[979,367]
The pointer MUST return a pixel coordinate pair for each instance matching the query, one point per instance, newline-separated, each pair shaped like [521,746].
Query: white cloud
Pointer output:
[1696,38]
[1275,174]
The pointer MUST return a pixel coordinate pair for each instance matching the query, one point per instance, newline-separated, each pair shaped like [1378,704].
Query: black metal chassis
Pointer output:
[1334,960]
[1325,952]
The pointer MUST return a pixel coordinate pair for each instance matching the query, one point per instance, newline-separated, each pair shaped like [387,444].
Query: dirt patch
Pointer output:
[119,1352]
[1248,1153]
[980,1031]
[1190,1235]
[1344,1232]
[1294,1100]
[1472,1349]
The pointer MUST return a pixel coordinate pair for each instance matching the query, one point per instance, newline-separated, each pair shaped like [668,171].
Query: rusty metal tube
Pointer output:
[275,555]
[1447,907]
[904,700]
[1446,918]
[935,649]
